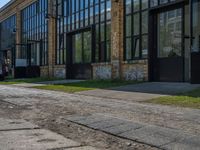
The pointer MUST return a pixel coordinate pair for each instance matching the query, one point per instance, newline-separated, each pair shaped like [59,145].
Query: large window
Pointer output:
[170,33]
[35,29]
[7,37]
[196,26]
[81,47]
[136,27]
[81,14]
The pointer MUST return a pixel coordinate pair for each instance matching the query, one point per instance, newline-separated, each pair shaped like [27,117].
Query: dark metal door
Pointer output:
[195,67]
[167,59]
[80,54]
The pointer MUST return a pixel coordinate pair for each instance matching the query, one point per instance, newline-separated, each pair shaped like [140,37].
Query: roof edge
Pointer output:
[7,5]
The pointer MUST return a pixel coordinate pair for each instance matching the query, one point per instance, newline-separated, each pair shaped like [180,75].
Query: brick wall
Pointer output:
[44,71]
[102,71]
[135,70]
[59,71]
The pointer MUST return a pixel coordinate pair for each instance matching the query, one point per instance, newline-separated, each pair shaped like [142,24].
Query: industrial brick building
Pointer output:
[152,40]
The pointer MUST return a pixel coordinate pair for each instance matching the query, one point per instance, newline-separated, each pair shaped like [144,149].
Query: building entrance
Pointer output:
[170,51]
[80,45]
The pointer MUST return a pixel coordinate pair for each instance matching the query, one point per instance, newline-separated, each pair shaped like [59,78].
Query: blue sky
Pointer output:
[3,2]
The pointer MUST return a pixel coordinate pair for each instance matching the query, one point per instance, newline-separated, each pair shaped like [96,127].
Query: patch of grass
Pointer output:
[189,99]
[28,80]
[8,83]
[64,88]
[86,85]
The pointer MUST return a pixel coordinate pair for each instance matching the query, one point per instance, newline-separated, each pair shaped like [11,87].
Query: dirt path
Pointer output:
[47,115]
[49,109]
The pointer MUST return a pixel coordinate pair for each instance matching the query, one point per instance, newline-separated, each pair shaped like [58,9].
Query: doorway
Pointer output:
[168,51]
[80,55]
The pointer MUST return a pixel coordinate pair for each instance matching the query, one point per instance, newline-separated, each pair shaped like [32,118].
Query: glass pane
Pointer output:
[196,26]
[136,24]
[21,56]
[102,32]
[163,1]
[87,47]
[128,6]
[128,25]
[35,58]
[97,44]
[145,22]
[170,34]
[77,48]
[136,48]
[136,5]
[187,46]
[153,3]
[144,46]
[108,50]
[144,4]
[128,48]
[108,31]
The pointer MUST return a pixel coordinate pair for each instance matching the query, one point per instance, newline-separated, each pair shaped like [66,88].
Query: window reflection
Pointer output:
[81,48]
[34,28]
[136,28]
[195,26]
[6,35]
[82,14]
[170,34]
[77,48]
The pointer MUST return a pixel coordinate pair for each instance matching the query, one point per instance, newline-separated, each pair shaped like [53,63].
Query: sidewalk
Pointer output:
[142,92]
[17,134]
[160,137]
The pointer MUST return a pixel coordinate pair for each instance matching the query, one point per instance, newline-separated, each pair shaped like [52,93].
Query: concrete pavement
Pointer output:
[17,134]
[160,137]
[142,91]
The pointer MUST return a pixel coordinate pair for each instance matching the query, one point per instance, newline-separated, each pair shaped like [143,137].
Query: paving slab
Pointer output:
[153,135]
[106,124]
[96,121]
[82,148]
[15,124]
[89,119]
[128,126]
[18,101]
[38,139]
[188,143]
[76,118]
